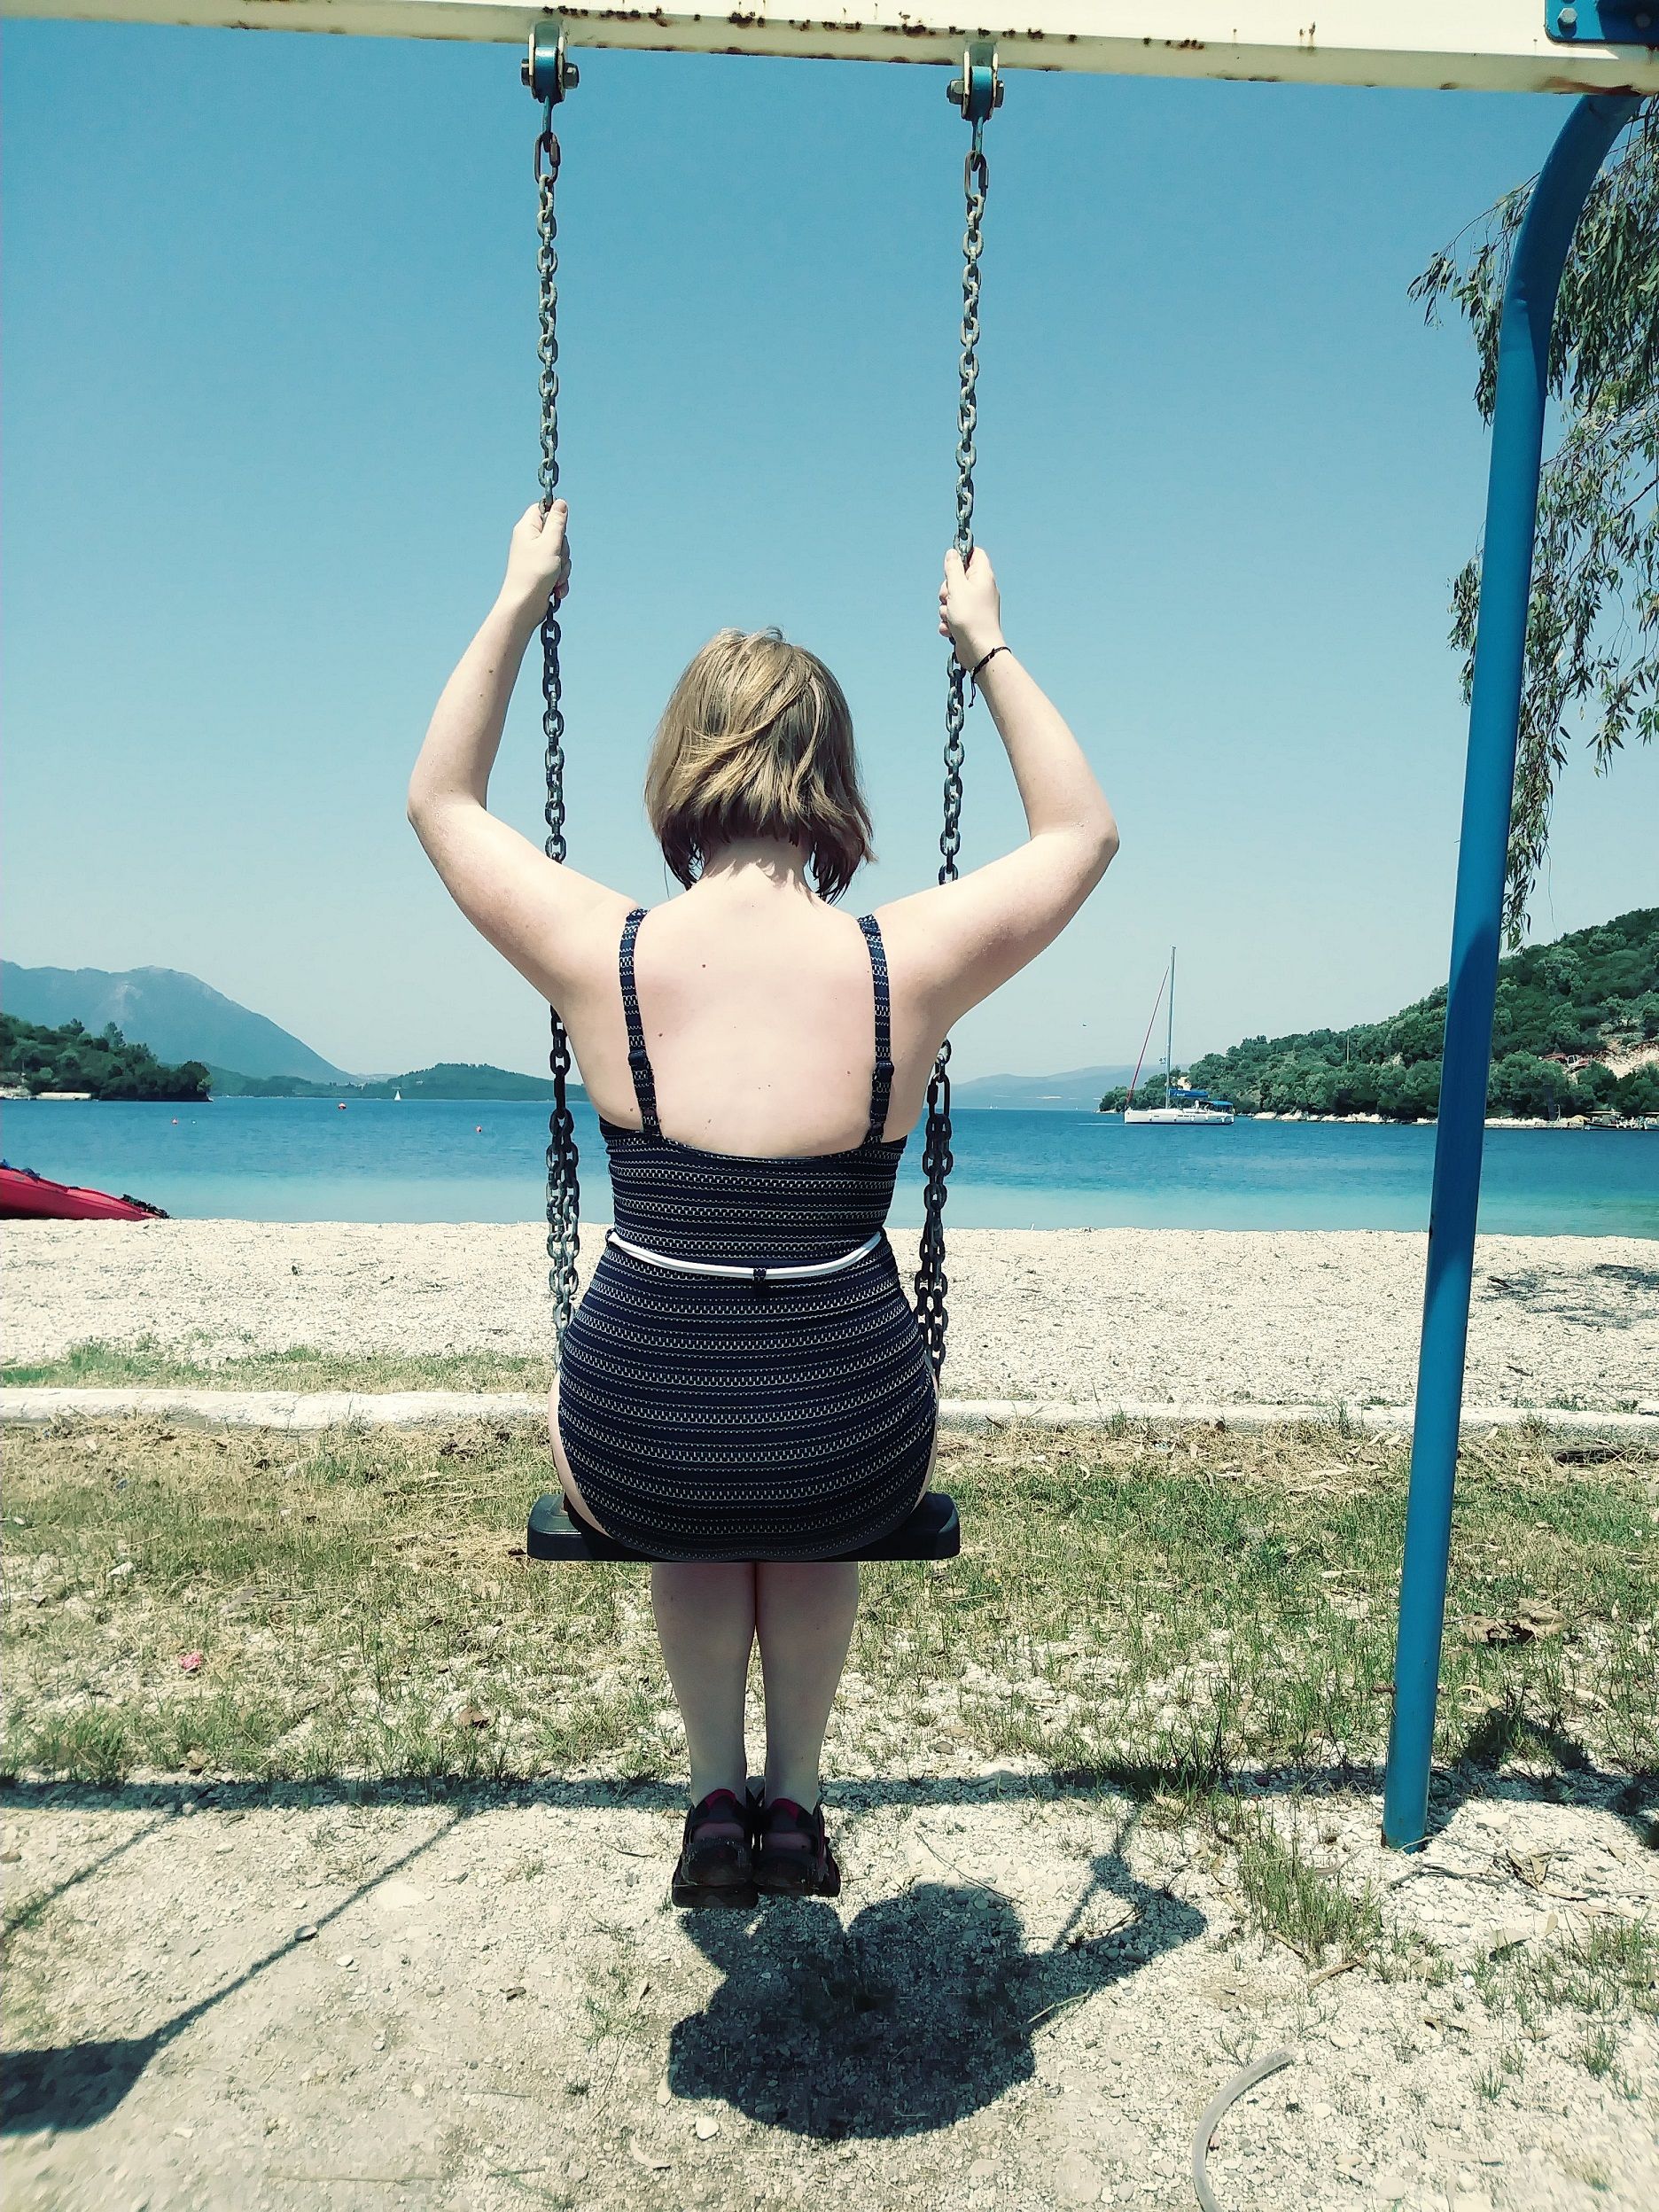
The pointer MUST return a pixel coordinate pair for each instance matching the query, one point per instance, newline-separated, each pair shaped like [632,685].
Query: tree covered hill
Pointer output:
[70,1058]
[448,1079]
[1575,1032]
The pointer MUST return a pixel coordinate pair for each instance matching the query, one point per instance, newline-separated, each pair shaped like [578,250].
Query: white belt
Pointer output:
[741,1273]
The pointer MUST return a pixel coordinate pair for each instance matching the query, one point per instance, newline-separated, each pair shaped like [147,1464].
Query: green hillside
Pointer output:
[69,1058]
[1564,1012]
[449,1078]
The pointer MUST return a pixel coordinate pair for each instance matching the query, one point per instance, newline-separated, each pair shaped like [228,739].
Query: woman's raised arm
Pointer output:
[540,914]
[959,941]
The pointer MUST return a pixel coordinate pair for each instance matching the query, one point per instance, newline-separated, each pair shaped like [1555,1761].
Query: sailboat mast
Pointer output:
[1169,1045]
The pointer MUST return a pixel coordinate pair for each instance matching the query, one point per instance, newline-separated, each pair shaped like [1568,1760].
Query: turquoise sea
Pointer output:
[379,1160]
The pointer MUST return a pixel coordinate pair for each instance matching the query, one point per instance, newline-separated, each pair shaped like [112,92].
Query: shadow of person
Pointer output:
[920,2011]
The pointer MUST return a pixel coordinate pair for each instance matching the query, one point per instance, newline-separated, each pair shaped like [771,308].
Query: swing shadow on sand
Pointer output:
[918,2012]
[919,2009]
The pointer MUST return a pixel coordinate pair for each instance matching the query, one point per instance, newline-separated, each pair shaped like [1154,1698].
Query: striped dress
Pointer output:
[719,1417]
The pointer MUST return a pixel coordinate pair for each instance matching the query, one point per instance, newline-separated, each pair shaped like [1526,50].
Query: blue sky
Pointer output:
[269,414]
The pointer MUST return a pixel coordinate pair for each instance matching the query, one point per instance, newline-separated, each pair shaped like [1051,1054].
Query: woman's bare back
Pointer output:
[756,1002]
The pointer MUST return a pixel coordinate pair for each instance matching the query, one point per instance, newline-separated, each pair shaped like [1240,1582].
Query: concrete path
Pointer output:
[411,1409]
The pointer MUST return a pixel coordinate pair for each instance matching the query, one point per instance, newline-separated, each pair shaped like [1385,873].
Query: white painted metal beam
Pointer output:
[1479,45]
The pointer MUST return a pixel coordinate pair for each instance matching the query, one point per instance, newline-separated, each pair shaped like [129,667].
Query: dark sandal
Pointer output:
[793,1856]
[715,1865]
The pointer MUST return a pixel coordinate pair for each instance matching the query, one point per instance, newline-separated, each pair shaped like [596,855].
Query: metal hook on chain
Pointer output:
[975,169]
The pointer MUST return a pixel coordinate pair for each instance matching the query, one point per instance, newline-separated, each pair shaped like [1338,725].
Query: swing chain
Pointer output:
[976,182]
[563,1194]
[932,1284]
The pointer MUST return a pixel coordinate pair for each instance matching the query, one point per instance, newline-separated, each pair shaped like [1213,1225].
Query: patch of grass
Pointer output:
[1606,1971]
[1496,2077]
[1195,1603]
[144,1362]
[1593,2172]
[612,1993]
[1153,1608]
[1303,1906]
[360,1606]
[1597,2051]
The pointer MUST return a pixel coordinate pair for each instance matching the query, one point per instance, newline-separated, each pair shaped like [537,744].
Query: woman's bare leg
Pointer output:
[705,1617]
[803,1614]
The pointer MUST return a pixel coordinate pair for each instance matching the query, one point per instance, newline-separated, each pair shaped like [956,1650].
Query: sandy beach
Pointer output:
[1108,1315]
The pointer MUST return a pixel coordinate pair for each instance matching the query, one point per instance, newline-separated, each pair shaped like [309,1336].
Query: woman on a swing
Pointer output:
[756,1057]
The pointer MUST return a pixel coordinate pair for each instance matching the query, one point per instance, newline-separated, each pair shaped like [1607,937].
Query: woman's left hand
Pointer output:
[539,558]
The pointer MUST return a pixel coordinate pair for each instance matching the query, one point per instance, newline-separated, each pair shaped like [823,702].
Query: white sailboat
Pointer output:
[1181,1109]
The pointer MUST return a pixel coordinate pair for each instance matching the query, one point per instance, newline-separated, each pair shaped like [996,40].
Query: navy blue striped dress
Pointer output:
[715,1417]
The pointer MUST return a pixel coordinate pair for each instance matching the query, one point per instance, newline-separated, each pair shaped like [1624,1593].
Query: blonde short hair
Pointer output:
[756,742]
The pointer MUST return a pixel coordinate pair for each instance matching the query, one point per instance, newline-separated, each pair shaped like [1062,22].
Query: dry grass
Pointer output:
[1158,1609]
[1184,1615]
[147,1363]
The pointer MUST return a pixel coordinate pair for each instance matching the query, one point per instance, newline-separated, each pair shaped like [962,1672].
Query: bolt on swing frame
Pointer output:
[1608,50]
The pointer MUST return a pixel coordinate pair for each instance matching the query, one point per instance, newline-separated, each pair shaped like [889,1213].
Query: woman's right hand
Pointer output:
[539,558]
[970,607]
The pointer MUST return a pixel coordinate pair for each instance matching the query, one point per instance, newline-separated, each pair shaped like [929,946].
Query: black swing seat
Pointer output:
[933,1532]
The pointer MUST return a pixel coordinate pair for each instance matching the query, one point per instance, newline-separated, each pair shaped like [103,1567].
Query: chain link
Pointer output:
[932,1284]
[563,1189]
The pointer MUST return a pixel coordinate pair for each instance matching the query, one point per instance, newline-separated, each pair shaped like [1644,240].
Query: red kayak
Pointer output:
[25,1195]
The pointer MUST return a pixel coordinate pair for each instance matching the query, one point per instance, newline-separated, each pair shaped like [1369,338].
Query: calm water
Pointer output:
[305,1160]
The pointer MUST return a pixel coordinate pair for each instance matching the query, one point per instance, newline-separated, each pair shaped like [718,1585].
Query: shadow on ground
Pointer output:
[915,2013]
[72,2086]
[932,1993]
[75,2086]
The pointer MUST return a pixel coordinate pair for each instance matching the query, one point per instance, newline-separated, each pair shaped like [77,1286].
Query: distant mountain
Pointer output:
[178,1016]
[1076,1091]
[450,1079]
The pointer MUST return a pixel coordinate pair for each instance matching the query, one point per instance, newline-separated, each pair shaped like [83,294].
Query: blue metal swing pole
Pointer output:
[1529,311]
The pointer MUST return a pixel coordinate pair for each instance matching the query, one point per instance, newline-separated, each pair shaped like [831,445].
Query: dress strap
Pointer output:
[639,1059]
[881,1081]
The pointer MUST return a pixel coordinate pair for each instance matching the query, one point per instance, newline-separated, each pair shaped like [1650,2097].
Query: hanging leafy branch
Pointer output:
[1593,624]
